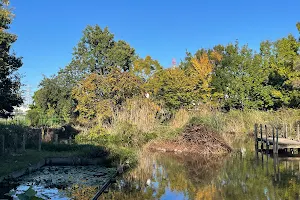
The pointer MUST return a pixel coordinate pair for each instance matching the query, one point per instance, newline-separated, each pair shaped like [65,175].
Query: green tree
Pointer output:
[98,52]
[9,64]
[145,68]
[173,87]
[54,99]
[240,78]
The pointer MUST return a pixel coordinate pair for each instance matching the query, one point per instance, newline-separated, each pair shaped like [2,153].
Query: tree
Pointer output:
[241,79]
[204,67]
[98,95]
[98,52]
[145,68]
[9,64]
[173,87]
[54,98]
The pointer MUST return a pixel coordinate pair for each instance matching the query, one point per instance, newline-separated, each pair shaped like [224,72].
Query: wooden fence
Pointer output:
[20,142]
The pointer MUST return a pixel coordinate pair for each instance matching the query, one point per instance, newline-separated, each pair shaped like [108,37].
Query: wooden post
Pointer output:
[298,131]
[290,129]
[23,142]
[2,150]
[40,142]
[256,139]
[267,142]
[298,135]
[273,134]
[43,132]
[261,138]
[276,143]
[56,139]
[286,131]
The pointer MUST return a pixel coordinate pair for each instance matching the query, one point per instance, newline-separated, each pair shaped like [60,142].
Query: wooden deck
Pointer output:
[283,143]
[277,138]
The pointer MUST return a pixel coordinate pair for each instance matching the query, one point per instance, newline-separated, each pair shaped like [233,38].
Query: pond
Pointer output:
[60,182]
[240,175]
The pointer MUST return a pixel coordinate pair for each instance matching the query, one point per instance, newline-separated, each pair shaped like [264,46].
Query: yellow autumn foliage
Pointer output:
[206,193]
[204,67]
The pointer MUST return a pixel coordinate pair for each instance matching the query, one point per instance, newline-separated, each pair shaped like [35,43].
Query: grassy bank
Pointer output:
[133,129]
[128,136]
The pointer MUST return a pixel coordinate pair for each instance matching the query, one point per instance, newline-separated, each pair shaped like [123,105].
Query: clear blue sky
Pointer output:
[49,29]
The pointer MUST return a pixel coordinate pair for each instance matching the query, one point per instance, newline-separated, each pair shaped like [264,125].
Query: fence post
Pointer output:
[273,134]
[255,134]
[261,138]
[298,131]
[286,131]
[276,140]
[23,142]
[267,142]
[2,144]
[40,142]
[43,132]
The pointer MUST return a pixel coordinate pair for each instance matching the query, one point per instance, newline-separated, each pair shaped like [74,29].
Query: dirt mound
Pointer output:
[195,139]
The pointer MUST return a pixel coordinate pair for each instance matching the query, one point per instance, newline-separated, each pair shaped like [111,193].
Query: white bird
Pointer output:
[148,182]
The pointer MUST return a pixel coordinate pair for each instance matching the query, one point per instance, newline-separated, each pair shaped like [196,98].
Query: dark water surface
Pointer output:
[240,175]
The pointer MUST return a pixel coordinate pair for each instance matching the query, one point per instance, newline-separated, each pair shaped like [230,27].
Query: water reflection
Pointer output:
[238,176]
[169,176]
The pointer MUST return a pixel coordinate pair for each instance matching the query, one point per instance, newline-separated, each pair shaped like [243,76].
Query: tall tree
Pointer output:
[9,64]
[98,52]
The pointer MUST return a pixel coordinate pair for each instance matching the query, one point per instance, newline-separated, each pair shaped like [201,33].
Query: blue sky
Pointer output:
[49,29]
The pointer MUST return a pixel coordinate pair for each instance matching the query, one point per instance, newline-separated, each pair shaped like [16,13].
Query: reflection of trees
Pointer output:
[184,174]
[202,178]
[200,169]
[242,178]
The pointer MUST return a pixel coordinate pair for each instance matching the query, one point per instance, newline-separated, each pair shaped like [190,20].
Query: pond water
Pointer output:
[59,182]
[240,175]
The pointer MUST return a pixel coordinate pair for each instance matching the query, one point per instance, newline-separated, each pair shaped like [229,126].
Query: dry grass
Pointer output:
[180,119]
[138,112]
[236,124]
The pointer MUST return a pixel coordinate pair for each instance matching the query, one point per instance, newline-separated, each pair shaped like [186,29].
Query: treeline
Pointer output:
[10,94]
[104,73]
